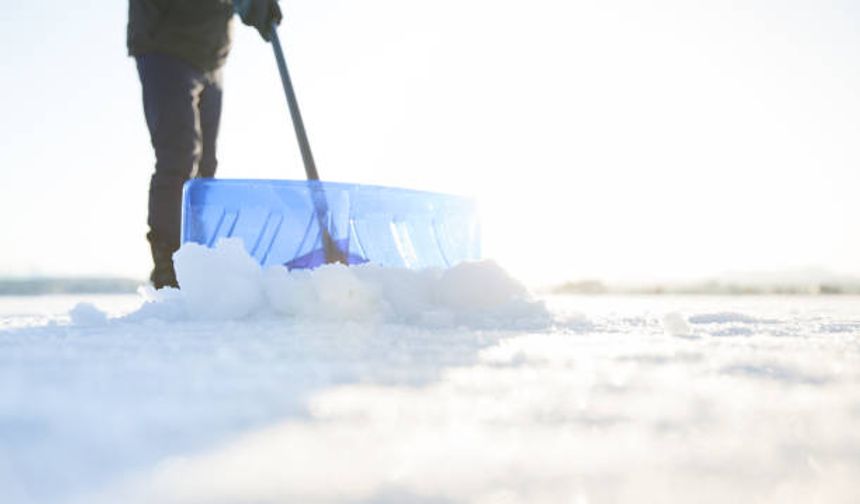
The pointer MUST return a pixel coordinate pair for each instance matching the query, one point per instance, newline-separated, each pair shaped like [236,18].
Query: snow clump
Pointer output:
[86,314]
[332,291]
[676,325]
[218,284]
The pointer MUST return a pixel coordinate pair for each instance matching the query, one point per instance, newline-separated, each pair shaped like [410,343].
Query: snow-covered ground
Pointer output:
[442,387]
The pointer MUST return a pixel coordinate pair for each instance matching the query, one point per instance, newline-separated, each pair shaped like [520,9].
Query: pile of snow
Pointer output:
[225,283]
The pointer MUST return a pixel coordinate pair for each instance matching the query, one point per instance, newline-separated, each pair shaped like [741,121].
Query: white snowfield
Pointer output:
[373,385]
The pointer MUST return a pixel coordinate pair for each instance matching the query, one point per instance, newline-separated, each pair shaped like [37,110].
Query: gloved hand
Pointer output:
[260,14]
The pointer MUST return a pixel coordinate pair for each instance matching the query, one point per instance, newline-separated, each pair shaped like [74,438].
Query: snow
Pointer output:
[86,314]
[676,325]
[472,294]
[434,386]
[722,318]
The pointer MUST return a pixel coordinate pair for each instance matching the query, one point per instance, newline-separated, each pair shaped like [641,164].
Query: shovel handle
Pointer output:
[333,254]
[292,102]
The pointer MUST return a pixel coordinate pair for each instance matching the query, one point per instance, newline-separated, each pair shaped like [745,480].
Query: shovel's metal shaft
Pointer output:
[292,102]
[332,253]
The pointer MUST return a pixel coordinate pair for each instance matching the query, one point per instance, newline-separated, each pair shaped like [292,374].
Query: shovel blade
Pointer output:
[280,222]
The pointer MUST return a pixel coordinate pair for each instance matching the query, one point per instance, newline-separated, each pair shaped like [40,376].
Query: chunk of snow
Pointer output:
[86,314]
[676,325]
[162,304]
[219,283]
[331,291]
[477,286]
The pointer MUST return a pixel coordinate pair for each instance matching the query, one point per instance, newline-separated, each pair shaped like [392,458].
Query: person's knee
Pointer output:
[177,159]
[167,187]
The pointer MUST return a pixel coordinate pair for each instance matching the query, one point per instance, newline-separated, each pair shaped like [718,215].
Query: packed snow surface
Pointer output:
[375,385]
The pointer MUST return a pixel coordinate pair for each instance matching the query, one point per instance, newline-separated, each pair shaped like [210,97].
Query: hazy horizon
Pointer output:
[801,281]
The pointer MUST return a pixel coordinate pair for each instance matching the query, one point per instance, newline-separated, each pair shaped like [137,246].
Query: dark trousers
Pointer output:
[182,106]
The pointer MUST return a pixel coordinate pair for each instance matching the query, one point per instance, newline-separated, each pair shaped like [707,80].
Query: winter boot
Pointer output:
[163,274]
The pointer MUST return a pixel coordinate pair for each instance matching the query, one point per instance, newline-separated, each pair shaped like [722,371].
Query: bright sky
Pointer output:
[613,139]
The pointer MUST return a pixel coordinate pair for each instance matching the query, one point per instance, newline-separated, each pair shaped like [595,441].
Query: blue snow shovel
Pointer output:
[308,223]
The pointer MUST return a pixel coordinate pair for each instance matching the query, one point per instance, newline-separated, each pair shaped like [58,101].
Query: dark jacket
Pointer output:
[197,31]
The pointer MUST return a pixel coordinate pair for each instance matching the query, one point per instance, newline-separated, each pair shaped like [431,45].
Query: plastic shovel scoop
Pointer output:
[279,224]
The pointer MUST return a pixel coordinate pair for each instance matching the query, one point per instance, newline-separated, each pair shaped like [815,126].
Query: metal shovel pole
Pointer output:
[332,252]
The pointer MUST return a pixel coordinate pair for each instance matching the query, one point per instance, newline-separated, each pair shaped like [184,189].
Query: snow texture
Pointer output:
[224,283]
[416,387]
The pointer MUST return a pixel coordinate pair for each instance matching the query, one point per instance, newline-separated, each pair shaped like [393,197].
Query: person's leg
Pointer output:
[210,118]
[171,92]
